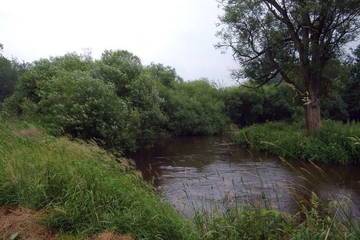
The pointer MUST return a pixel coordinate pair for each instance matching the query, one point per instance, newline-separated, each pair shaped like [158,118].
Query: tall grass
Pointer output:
[335,142]
[81,189]
[316,217]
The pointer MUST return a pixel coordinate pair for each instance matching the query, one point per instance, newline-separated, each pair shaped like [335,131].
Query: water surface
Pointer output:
[211,172]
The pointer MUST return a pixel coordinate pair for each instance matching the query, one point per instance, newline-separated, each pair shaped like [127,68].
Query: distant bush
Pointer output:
[247,104]
[195,108]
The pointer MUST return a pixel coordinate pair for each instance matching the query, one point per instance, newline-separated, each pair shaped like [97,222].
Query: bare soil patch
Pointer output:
[21,223]
[113,236]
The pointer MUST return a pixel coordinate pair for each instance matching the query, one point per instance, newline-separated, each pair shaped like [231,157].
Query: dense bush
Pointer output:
[191,108]
[195,108]
[8,78]
[137,89]
[76,104]
[246,105]
[110,100]
[41,71]
[350,94]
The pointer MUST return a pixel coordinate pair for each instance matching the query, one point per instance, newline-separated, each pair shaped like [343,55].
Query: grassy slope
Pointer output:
[83,189]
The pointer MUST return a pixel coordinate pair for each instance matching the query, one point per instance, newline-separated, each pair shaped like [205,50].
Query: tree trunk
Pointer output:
[312,113]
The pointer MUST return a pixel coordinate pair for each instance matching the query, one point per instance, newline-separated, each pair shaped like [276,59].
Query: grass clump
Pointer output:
[315,217]
[335,142]
[250,222]
[81,189]
[241,223]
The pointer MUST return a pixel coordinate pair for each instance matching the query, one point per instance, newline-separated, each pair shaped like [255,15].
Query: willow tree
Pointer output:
[298,41]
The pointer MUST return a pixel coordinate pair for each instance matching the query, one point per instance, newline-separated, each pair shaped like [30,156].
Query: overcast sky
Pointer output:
[178,33]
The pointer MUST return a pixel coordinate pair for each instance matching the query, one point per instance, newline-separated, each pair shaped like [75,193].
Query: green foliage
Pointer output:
[110,100]
[195,108]
[316,217]
[42,71]
[241,223]
[119,67]
[10,71]
[299,42]
[74,103]
[334,108]
[246,105]
[350,94]
[331,144]
[82,189]
[137,89]
[167,76]
[8,78]
[145,99]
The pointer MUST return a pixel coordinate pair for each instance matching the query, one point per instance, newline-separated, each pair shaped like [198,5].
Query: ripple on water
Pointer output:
[207,172]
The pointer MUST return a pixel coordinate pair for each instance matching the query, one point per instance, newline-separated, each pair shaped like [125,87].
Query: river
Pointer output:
[203,173]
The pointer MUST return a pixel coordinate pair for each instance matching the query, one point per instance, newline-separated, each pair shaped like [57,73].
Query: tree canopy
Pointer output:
[350,94]
[298,40]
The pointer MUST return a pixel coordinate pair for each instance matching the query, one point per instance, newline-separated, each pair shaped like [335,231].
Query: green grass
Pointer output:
[82,189]
[316,218]
[335,142]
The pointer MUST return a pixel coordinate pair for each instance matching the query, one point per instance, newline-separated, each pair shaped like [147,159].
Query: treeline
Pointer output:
[122,104]
[115,100]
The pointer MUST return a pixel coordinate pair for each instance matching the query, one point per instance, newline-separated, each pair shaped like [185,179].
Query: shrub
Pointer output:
[76,104]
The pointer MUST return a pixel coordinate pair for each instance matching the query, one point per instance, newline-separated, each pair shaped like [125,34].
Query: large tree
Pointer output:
[298,40]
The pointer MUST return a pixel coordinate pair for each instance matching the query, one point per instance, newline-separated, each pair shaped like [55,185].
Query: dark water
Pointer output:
[211,172]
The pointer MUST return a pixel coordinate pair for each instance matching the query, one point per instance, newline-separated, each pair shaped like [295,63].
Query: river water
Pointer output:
[204,173]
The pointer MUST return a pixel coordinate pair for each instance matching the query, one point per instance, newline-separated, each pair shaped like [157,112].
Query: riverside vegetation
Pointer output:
[92,112]
[122,104]
[81,190]
[335,142]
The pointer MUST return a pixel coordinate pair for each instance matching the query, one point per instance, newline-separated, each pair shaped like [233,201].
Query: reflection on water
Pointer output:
[207,172]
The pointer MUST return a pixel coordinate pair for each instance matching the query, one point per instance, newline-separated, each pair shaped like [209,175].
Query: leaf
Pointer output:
[14,236]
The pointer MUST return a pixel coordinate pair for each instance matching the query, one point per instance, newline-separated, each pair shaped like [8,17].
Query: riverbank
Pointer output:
[80,191]
[335,142]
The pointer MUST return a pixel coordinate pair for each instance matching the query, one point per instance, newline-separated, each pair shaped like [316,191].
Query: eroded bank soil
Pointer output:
[21,223]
